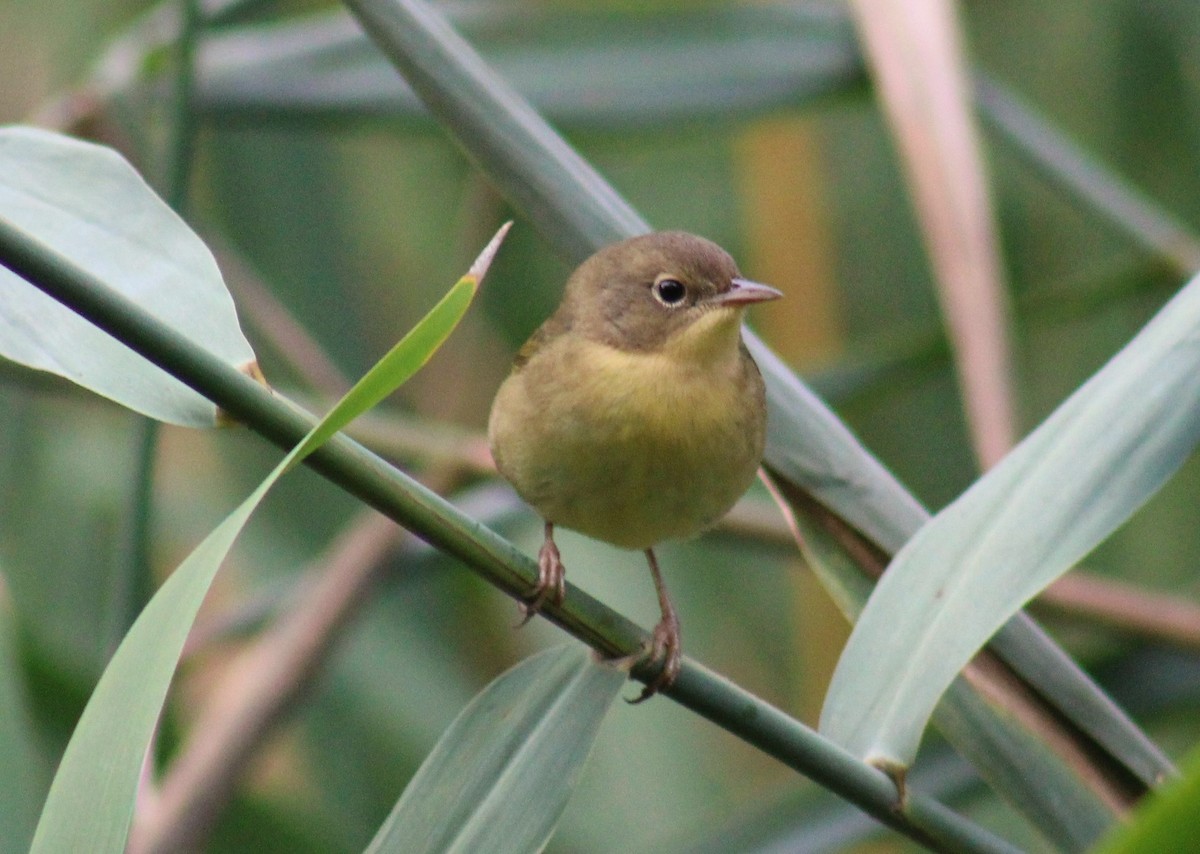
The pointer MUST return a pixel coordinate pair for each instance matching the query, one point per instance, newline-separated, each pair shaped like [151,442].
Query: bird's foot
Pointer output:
[551,583]
[666,650]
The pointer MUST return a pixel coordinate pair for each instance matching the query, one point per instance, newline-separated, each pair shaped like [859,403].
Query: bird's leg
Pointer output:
[665,646]
[551,583]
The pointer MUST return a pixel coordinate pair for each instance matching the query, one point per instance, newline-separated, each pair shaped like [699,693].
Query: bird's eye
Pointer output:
[670,292]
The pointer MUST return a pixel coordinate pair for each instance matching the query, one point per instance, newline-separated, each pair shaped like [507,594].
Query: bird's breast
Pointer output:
[630,447]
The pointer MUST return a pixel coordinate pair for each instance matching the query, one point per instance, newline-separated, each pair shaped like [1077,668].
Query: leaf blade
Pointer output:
[91,799]
[501,774]
[807,444]
[1101,454]
[89,205]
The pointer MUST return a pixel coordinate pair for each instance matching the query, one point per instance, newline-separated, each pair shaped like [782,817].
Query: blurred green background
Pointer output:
[355,213]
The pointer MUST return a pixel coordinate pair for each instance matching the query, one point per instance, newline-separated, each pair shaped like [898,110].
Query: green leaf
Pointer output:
[807,445]
[1167,820]
[500,776]
[91,799]
[409,354]
[1085,470]
[88,204]
[1008,750]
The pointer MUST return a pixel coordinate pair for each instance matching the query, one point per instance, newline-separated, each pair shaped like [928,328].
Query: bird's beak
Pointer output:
[744,292]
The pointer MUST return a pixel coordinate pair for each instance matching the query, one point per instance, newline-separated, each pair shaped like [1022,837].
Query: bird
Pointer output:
[635,414]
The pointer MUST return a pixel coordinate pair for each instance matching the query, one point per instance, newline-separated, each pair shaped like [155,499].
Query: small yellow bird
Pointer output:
[635,414]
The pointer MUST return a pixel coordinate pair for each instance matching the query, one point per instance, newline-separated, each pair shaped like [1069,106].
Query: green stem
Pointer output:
[182,148]
[136,586]
[1095,746]
[390,491]
[135,579]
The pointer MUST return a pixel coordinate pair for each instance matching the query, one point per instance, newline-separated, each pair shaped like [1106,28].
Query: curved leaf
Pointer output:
[88,204]
[92,797]
[807,445]
[500,776]
[1085,470]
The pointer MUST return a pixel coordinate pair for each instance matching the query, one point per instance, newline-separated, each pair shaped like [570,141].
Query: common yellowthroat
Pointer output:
[635,414]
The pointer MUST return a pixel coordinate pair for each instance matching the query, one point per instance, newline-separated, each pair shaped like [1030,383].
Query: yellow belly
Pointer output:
[636,448]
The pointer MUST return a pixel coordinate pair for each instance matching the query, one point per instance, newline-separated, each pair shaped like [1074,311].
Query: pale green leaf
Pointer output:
[92,797]
[87,203]
[1106,450]
[807,446]
[501,774]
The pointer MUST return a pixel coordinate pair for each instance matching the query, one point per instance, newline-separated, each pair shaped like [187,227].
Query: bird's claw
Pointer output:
[666,650]
[551,585]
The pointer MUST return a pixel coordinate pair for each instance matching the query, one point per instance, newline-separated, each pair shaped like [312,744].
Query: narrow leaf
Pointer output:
[807,445]
[410,353]
[501,775]
[1106,450]
[88,204]
[92,797]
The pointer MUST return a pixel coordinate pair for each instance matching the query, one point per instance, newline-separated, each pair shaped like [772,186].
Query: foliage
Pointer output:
[327,196]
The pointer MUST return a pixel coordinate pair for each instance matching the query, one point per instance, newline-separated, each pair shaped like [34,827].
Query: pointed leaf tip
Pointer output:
[484,261]
[100,767]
